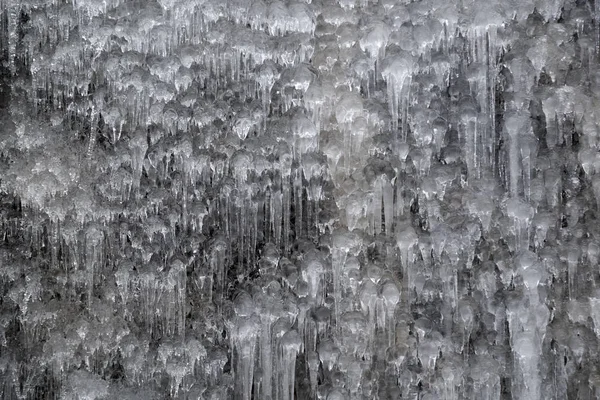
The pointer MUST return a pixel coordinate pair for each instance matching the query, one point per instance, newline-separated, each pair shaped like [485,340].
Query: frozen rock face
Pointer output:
[277,200]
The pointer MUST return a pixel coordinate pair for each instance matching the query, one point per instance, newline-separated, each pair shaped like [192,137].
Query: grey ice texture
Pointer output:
[278,200]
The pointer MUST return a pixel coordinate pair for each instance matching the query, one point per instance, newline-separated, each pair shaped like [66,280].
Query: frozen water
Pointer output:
[319,199]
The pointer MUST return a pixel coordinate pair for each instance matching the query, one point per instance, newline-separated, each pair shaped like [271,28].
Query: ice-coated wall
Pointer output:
[278,200]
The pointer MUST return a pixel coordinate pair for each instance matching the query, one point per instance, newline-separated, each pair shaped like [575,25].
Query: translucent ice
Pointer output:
[299,199]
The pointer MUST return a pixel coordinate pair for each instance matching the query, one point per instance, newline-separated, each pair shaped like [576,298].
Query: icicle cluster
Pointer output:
[327,199]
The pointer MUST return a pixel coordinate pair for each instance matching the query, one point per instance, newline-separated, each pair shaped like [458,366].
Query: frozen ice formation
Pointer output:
[299,199]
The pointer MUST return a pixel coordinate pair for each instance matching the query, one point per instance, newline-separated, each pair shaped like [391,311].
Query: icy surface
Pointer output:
[311,199]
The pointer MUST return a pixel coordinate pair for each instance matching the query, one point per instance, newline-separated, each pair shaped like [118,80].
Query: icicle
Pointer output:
[369,301]
[13,10]
[406,239]
[290,346]
[138,145]
[466,319]
[92,141]
[338,260]
[177,280]
[244,333]
[93,256]
[267,75]
[449,384]
[344,243]
[572,262]
[312,273]
[595,312]
[219,266]
[550,111]
[528,154]
[276,214]
[312,359]
[123,279]
[527,326]
[388,205]
[400,201]
[522,215]
[287,208]
[298,204]
[390,296]
[376,200]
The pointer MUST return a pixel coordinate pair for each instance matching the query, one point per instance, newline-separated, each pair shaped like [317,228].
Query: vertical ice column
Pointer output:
[482,76]
[286,198]
[382,199]
[290,347]
[522,215]
[595,311]
[313,269]
[465,316]
[572,258]
[93,136]
[218,262]
[369,302]
[177,280]
[517,125]
[407,239]
[338,259]
[138,146]
[528,152]
[375,209]
[390,297]
[11,8]
[344,243]
[550,108]
[528,319]
[244,344]
[276,215]
[270,307]
[312,359]
[123,279]
[450,382]
[94,240]
[468,116]
[527,379]
[397,70]
[298,203]
[244,330]
[388,205]
[150,294]
[348,110]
